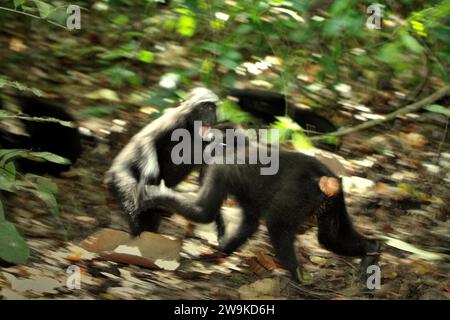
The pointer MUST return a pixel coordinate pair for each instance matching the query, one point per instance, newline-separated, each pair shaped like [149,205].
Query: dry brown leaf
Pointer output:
[130,259]
[149,250]
[105,240]
[267,261]
[413,139]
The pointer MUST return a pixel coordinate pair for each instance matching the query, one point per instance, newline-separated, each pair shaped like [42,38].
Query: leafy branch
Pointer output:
[6,115]
[33,16]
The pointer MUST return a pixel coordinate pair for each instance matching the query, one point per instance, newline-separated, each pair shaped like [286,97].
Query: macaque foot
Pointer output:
[371,258]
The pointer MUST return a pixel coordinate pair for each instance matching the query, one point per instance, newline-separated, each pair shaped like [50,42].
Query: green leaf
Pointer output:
[48,156]
[390,53]
[230,111]
[116,54]
[18,3]
[186,26]
[301,142]
[329,139]
[245,28]
[7,155]
[438,109]
[13,248]
[287,123]
[230,64]
[44,8]
[43,184]
[118,75]
[410,42]
[49,199]
[120,20]
[8,177]
[146,56]
[4,114]
[2,211]
[97,111]
[339,7]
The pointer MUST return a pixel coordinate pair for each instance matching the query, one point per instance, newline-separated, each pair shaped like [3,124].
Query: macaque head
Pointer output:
[202,106]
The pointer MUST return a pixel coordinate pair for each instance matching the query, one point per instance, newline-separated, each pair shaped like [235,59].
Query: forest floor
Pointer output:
[397,190]
[402,194]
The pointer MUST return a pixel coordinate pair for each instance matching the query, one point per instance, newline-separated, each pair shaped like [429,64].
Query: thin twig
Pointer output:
[33,16]
[409,108]
[69,124]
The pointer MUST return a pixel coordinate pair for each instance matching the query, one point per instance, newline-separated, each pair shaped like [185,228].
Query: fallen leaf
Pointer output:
[421,254]
[17,45]
[77,254]
[167,264]
[130,259]
[105,240]
[413,139]
[148,110]
[8,294]
[128,250]
[267,261]
[103,94]
[263,287]
[318,260]
[144,251]
[86,219]
[36,284]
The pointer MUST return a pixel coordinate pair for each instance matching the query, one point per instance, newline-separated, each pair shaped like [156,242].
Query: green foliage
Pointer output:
[119,76]
[4,114]
[146,56]
[438,109]
[6,83]
[13,247]
[186,25]
[288,129]
[230,111]
[97,111]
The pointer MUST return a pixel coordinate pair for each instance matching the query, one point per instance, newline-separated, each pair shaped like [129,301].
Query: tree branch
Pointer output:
[391,116]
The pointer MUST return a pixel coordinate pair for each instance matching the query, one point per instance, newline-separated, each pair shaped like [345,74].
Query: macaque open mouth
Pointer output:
[204,130]
[205,133]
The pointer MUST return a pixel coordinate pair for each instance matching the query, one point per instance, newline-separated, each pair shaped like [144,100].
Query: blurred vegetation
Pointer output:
[152,53]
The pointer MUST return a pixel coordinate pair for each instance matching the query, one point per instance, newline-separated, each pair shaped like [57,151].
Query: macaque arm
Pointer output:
[201,208]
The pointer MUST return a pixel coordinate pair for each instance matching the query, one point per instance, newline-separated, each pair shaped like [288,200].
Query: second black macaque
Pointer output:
[301,188]
[267,105]
[43,136]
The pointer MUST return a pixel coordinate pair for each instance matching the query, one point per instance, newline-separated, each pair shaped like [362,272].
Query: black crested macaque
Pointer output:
[44,136]
[301,188]
[147,159]
[268,104]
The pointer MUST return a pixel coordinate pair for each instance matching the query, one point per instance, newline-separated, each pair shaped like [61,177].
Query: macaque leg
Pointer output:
[203,208]
[246,229]
[336,231]
[150,220]
[282,236]
[220,226]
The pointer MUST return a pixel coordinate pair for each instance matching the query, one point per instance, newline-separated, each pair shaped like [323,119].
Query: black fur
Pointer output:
[286,200]
[146,159]
[267,105]
[44,136]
